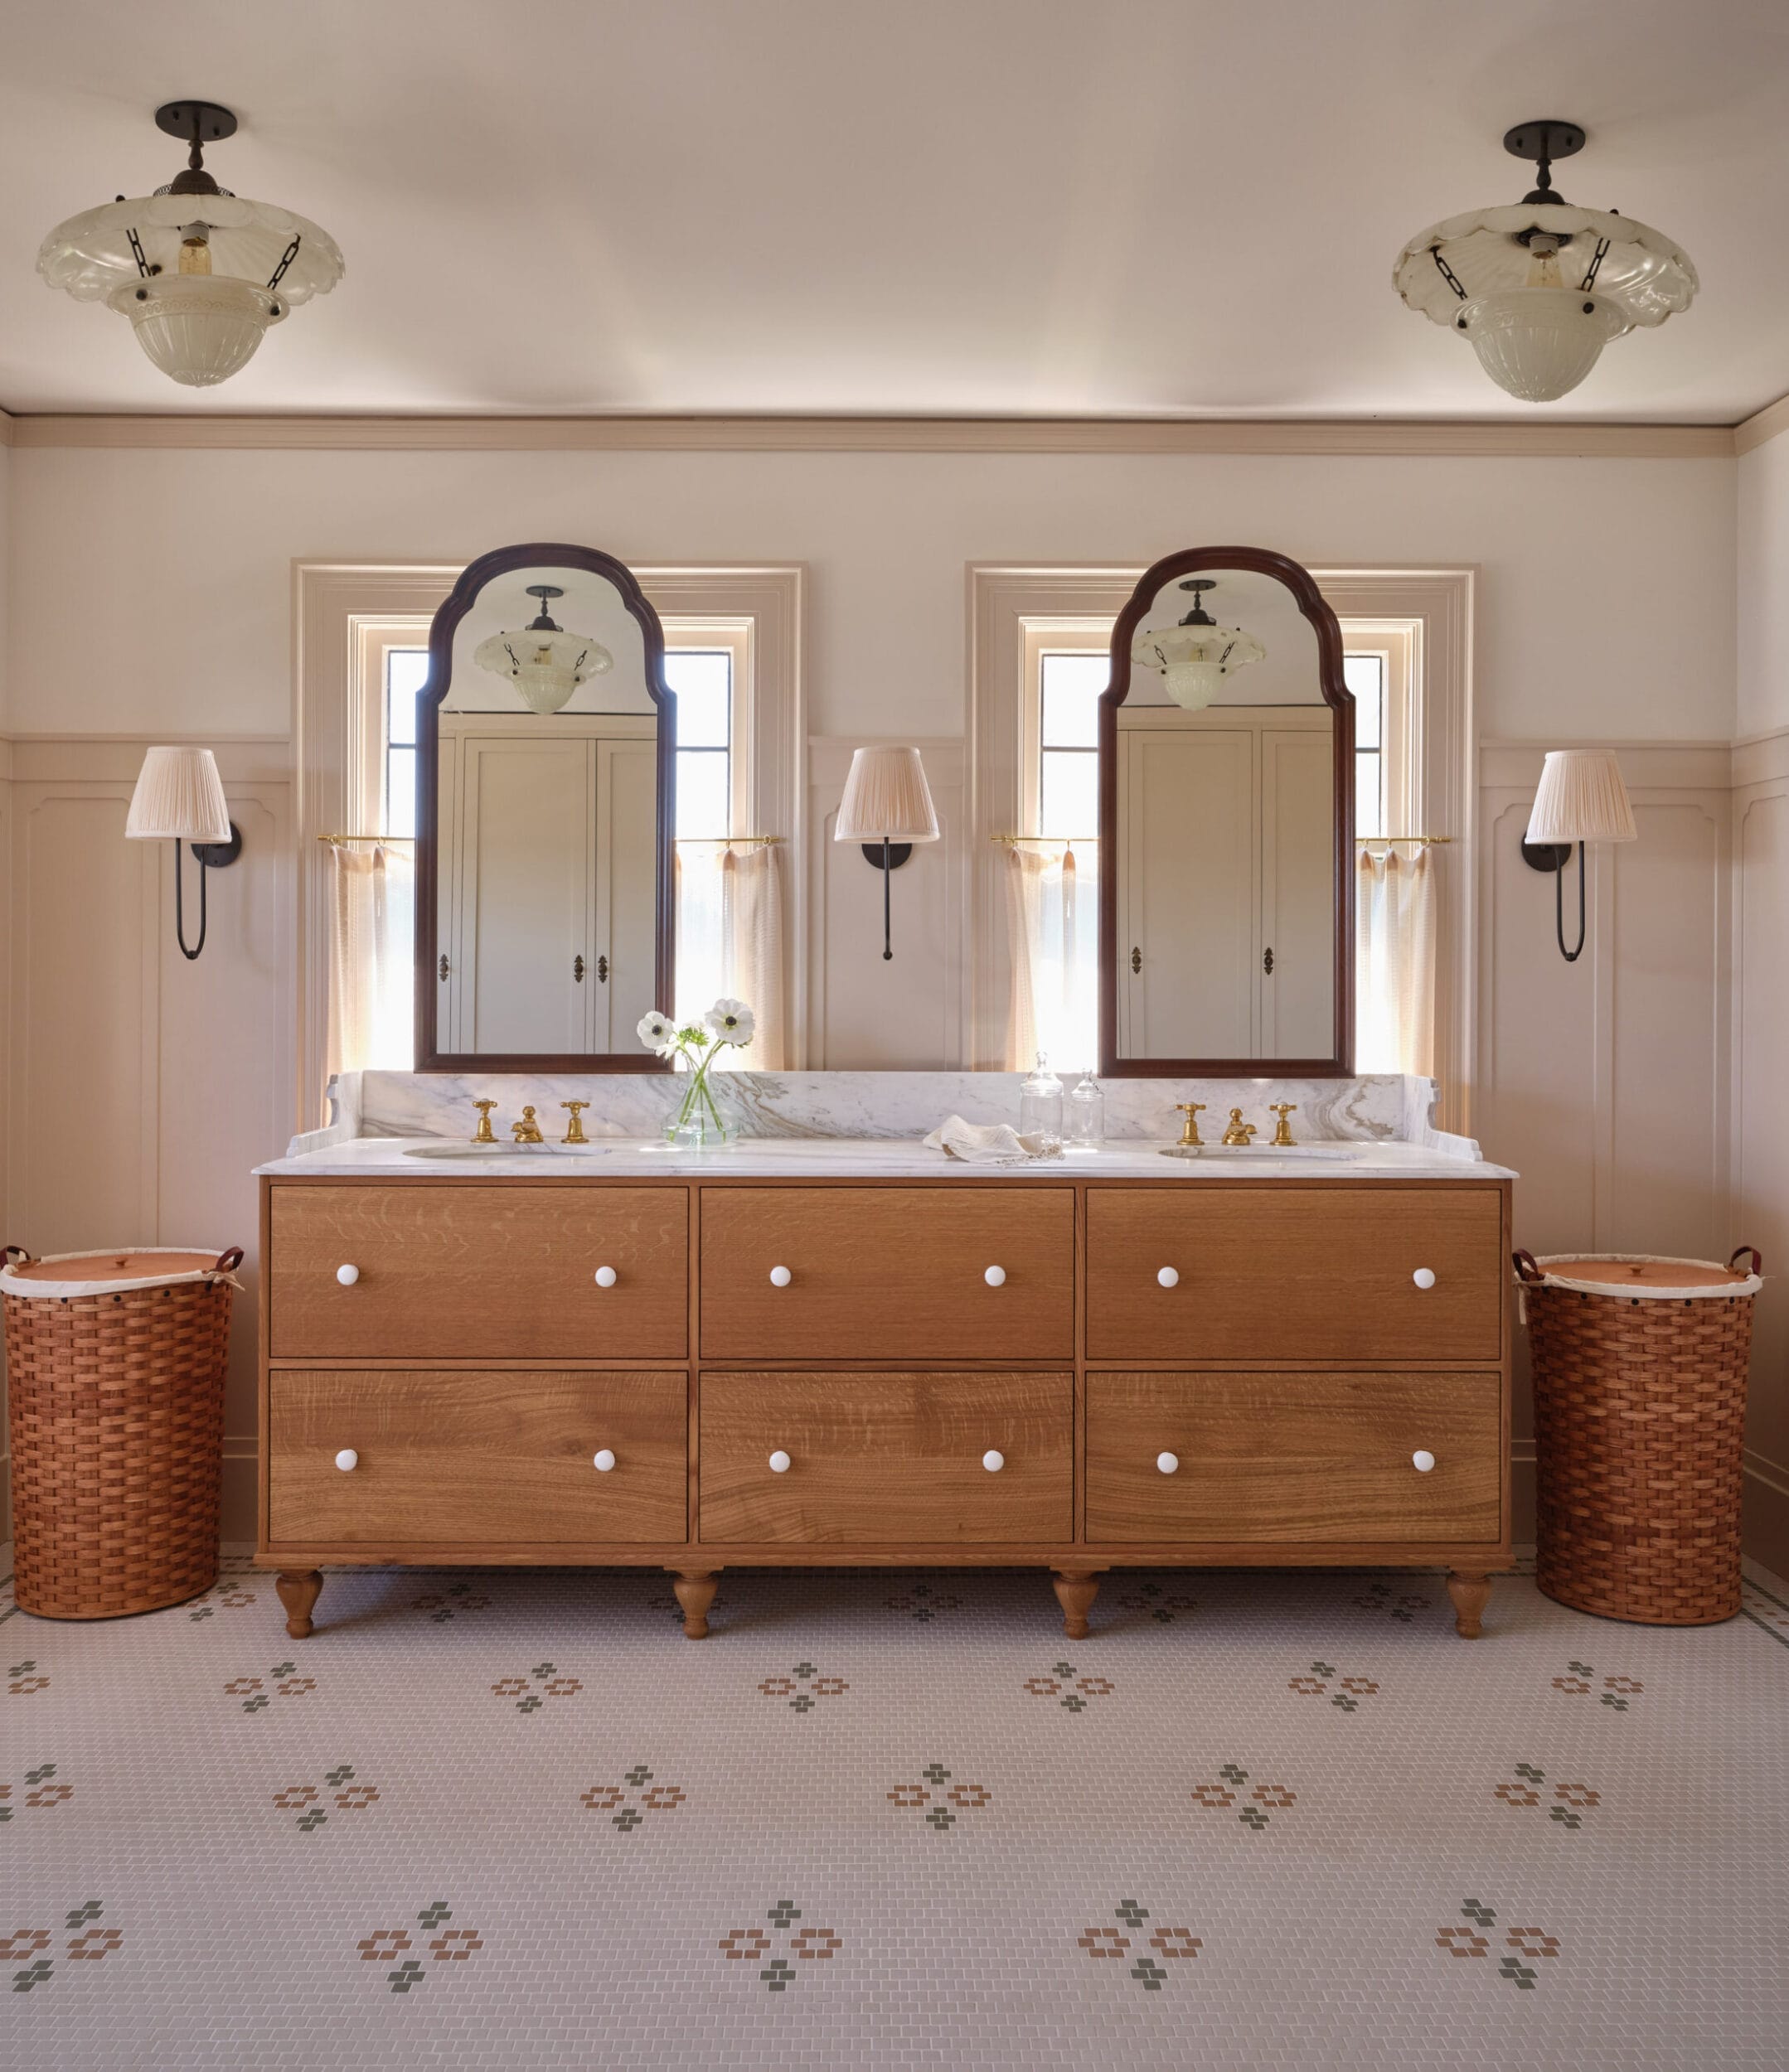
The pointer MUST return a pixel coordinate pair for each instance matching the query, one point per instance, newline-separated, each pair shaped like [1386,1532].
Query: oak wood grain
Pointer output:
[875,1457]
[888,1273]
[473,1458]
[1295,1274]
[1293,1458]
[469,1272]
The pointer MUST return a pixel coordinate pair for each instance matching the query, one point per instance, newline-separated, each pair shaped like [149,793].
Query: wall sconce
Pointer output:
[887,806]
[1582,799]
[180,798]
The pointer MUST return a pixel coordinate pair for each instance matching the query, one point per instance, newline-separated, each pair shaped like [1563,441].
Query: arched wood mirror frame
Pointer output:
[473,579]
[1339,1063]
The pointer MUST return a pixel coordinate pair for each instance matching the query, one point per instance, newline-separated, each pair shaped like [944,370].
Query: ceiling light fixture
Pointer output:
[544,662]
[1540,287]
[1195,656]
[199,272]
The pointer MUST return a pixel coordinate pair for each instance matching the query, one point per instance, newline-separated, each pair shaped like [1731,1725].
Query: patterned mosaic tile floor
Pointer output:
[517,1820]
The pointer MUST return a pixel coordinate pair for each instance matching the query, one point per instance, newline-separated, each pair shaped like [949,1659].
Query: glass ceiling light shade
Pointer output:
[200,273]
[1540,287]
[544,662]
[1194,657]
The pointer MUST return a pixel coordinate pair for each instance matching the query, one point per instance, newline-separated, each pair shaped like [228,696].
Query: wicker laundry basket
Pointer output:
[115,1371]
[1640,1402]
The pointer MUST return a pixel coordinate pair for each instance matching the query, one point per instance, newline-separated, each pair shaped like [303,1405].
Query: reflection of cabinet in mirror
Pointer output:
[1224,896]
[543,841]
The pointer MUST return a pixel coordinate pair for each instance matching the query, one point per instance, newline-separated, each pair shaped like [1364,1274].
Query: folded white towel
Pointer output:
[987,1143]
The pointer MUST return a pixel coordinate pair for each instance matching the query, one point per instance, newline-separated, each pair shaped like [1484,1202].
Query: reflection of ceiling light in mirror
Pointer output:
[1194,656]
[1540,287]
[200,273]
[544,662]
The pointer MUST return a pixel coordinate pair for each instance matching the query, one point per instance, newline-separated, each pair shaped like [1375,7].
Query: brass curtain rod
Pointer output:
[347,841]
[728,841]
[1049,841]
[1423,841]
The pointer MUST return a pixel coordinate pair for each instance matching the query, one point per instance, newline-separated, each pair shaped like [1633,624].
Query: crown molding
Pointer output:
[1519,439]
[1768,423]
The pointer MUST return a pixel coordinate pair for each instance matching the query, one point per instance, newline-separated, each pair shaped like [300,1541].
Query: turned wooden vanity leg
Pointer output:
[297,1591]
[696,1590]
[1469,1593]
[1075,1589]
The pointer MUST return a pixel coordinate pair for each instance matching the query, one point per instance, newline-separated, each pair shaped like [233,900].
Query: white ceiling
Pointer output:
[990,207]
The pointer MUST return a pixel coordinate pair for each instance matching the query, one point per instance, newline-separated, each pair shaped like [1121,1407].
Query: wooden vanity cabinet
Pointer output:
[692,1374]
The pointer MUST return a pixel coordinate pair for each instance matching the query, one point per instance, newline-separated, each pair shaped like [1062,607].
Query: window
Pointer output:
[1068,790]
[1364,676]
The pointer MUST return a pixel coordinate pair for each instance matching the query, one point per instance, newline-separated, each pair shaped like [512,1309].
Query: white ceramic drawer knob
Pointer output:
[1168,1277]
[1423,1461]
[1425,1276]
[347,1458]
[780,1277]
[605,1276]
[993,1461]
[779,1462]
[348,1275]
[1168,1462]
[603,1461]
[995,1276]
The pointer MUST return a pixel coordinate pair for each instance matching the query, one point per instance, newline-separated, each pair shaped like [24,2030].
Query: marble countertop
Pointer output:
[866,1158]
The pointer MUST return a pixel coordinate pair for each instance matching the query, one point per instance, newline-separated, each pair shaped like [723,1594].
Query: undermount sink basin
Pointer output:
[1267,1154]
[487,1151]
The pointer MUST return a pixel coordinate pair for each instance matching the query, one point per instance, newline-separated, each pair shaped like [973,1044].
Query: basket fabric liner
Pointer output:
[14,1284]
[1623,1292]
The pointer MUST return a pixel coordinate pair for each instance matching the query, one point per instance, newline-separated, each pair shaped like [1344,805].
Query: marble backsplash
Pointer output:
[1378,1108]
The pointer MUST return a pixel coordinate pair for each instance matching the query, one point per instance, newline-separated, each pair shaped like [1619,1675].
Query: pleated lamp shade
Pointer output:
[886,798]
[1582,799]
[179,797]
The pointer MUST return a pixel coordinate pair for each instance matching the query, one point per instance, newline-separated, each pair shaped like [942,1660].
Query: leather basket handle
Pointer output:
[24,1256]
[1739,1253]
[1526,1269]
[228,1261]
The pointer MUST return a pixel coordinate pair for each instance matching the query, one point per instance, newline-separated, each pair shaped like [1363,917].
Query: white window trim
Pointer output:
[344,616]
[1427,611]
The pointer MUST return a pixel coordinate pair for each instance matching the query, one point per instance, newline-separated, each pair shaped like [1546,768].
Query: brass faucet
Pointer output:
[574,1129]
[1283,1136]
[1239,1132]
[484,1134]
[1190,1109]
[527,1130]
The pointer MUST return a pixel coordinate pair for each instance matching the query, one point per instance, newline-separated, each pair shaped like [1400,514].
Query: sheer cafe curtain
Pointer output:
[1052,931]
[1395,960]
[731,943]
[371,978]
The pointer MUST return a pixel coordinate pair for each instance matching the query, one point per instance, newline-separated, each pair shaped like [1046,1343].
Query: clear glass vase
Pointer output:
[698,1125]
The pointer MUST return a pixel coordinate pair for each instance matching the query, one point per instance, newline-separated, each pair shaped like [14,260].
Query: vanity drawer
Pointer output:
[1294,1459]
[1283,1273]
[886,1459]
[446,1270]
[887,1273]
[441,1459]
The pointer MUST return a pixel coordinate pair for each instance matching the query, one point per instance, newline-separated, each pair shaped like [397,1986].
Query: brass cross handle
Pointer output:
[484,1134]
[575,1131]
[1282,1136]
[1190,1109]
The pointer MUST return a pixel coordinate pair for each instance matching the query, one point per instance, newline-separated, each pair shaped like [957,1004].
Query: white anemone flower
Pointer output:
[731,1021]
[655,1030]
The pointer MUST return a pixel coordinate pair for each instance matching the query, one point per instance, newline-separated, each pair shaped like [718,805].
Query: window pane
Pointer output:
[400,791]
[405,669]
[1069,803]
[1369,805]
[702,793]
[703,682]
[1364,676]
[1072,684]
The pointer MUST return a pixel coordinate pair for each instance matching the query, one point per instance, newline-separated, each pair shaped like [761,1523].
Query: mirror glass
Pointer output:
[546,811]
[1227,946]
